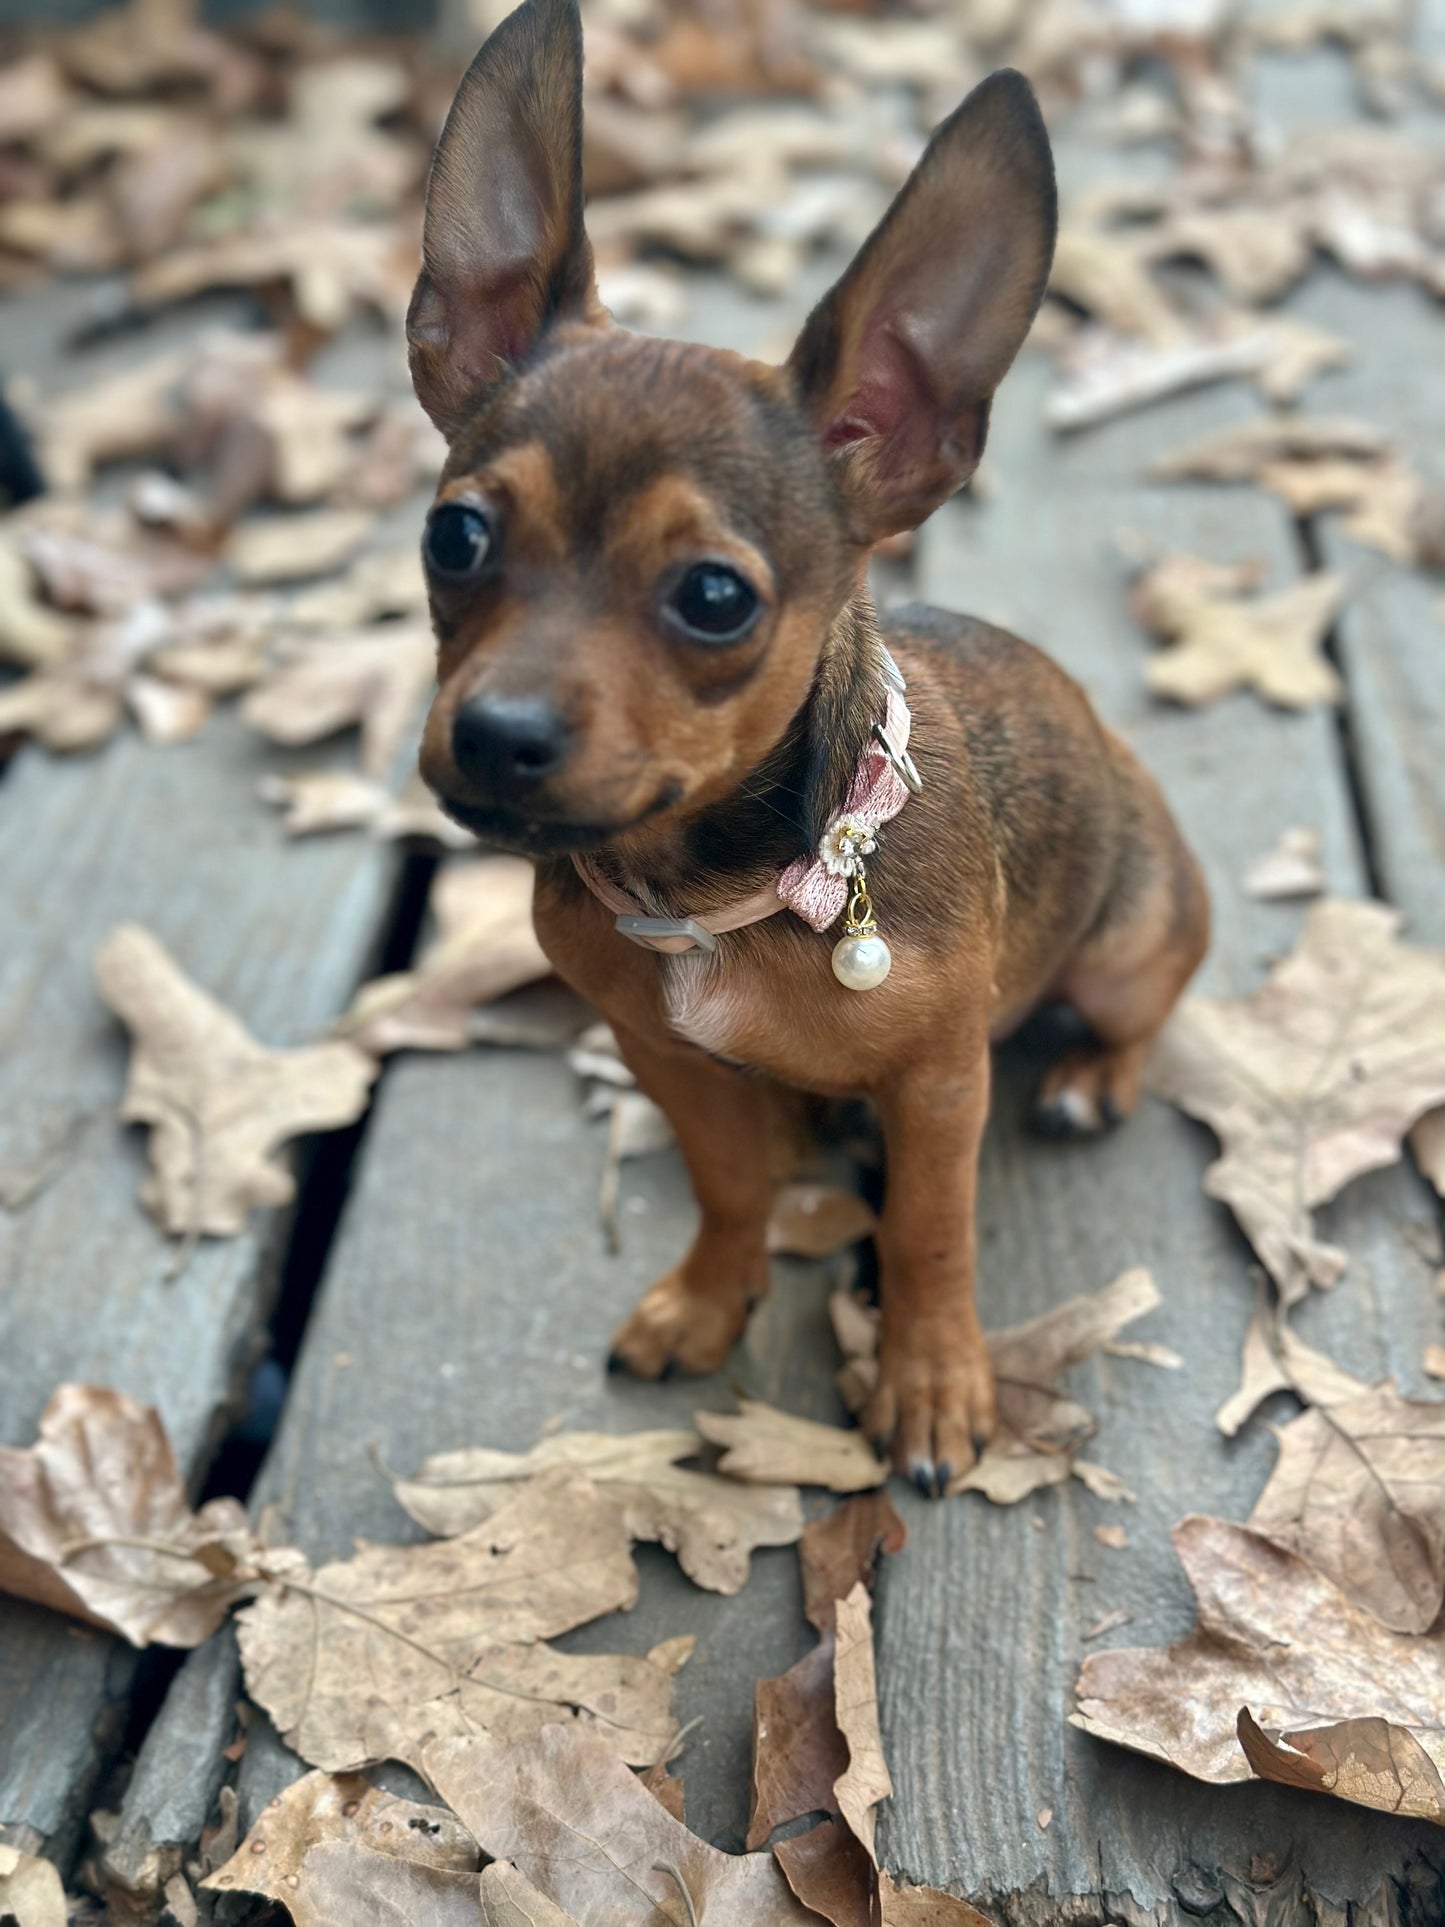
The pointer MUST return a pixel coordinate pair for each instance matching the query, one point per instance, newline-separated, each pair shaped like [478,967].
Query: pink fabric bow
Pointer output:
[876,794]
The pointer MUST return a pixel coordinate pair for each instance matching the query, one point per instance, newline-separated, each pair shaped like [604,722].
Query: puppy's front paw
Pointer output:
[680,1328]
[934,1405]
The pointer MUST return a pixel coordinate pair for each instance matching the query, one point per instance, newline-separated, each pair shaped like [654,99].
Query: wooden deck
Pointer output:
[463,1295]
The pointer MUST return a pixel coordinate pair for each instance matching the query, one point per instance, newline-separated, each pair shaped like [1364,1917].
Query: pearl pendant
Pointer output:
[861,963]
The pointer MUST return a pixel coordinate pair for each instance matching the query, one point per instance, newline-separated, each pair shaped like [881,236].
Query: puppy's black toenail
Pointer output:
[669,1370]
[1109,1111]
[923,1478]
[1050,1120]
[945,1477]
[616,1362]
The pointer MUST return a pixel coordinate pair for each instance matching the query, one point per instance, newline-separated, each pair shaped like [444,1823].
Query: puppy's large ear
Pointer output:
[897,364]
[503,248]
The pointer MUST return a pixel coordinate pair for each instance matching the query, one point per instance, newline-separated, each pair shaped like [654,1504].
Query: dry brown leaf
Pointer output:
[1243,452]
[840,1551]
[1276,1636]
[31,1893]
[291,548]
[829,1869]
[510,1900]
[667,1788]
[1221,641]
[1107,274]
[371,679]
[1116,1538]
[218,1103]
[764,1446]
[31,633]
[1434,1361]
[382,582]
[1311,1081]
[368,1657]
[485,947]
[1367,1761]
[1040,1430]
[1359,1490]
[363,1828]
[1291,869]
[711,1523]
[799,1752]
[94,1522]
[1106,374]
[817,1220]
[1275,1359]
[588,1835]
[866,1780]
[340,1883]
[1256,253]
[925,1907]
[320,800]
[1427,1143]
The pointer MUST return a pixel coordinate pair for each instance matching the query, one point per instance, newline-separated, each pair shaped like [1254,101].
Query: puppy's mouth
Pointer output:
[512,828]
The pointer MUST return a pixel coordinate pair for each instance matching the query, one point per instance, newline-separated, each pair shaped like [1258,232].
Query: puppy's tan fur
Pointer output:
[1039,861]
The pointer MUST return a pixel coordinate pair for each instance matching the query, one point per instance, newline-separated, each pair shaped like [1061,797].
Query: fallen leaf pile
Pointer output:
[572,1836]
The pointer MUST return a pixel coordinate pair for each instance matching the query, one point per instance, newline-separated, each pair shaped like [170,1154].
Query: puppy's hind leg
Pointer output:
[1127,974]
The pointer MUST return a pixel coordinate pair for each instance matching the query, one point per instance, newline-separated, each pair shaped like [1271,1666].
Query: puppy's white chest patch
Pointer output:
[706,1002]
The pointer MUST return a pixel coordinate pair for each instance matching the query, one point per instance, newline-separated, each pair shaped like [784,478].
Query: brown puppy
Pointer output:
[648,566]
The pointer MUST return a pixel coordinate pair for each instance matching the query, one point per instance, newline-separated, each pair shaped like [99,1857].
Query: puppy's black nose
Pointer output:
[508,742]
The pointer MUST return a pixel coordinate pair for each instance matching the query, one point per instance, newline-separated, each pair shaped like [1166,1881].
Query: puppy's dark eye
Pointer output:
[458,540]
[713,603]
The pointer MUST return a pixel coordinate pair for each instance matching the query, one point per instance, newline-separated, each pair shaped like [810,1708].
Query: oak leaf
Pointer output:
[799,1750]
[332,1837]
[711,1523]
[563,1809]
[218,1103]
[369,1656]
[1276,1359]
[1241,453]
[510,1900]
[866,1779]
[767,1447]
[1368,1761]
[1312,1081]
[1273,1635]
[371,679]
[1220,641]
[1359,1490]
[31,1893]
[94,1522]
[485,946]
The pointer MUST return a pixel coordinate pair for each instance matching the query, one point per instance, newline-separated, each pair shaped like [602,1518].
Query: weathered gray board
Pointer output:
[176,840]
[980,1621]
[1392,628]
[468,1301]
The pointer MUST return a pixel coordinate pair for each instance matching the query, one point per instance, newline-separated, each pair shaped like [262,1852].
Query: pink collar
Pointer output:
[809,887]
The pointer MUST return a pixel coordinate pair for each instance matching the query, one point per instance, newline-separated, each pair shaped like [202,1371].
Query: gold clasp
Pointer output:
[860,908]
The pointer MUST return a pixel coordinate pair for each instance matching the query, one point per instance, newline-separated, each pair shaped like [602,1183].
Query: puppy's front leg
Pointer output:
[692,1317]
[935,1397]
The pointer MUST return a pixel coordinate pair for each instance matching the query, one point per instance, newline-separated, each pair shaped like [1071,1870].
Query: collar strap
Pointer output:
[814,888]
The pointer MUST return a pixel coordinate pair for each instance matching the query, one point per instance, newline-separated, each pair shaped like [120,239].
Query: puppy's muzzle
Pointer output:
[508,746]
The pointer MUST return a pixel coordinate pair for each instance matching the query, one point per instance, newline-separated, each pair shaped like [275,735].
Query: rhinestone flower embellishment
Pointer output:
[845,843]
